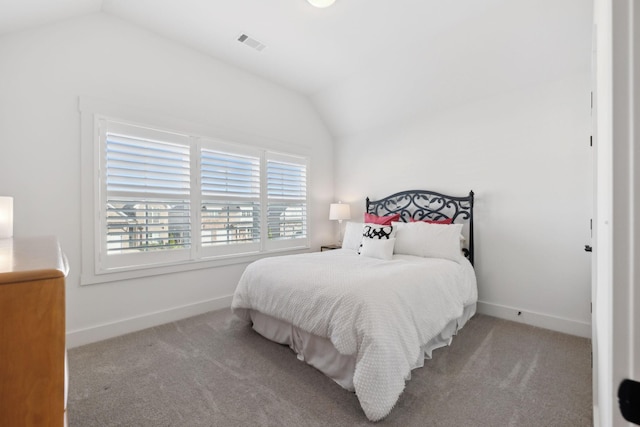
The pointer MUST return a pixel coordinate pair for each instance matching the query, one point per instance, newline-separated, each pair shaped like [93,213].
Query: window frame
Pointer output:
[223,146]
[105,262]
[93,188]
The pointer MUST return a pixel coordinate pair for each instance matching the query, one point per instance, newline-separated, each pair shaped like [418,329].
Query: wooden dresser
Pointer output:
[32,332]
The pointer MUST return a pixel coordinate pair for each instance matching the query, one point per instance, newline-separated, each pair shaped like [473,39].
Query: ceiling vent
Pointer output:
[251,42]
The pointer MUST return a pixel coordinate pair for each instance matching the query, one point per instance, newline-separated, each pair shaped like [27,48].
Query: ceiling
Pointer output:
[363,63]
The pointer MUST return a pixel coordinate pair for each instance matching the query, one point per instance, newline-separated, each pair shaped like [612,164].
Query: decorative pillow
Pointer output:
[377,231]
[429,240]
[377,248]
[352,235]
[382,220]
[434,221]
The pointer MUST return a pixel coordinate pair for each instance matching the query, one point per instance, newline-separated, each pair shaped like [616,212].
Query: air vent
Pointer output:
[251,42]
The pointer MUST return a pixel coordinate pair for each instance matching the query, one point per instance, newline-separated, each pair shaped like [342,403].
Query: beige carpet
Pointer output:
[214,370]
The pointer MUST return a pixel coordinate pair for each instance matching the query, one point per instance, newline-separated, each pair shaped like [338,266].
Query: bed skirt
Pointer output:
[320,353]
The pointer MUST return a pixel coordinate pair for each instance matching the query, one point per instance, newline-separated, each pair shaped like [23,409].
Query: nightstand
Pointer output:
[329,247]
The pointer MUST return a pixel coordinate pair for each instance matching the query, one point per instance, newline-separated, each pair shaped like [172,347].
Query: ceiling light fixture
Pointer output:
[321,3]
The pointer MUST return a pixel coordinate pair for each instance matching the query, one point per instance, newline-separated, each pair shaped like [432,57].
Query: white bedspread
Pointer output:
[380,311]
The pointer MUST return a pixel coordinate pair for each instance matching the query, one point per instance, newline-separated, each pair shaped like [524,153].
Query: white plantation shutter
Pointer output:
[230,202]
[147,185]
[165,198]
[286,200]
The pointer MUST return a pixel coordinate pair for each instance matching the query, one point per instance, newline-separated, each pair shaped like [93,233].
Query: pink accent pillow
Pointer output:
[381,220]
[435,221]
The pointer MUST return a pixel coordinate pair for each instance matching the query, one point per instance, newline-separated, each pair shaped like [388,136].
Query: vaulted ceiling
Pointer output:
[363,63]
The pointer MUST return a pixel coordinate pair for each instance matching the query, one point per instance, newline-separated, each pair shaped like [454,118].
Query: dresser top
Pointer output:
[30,258]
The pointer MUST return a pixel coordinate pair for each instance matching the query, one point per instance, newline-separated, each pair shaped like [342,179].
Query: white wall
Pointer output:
[526,155]
[42,74]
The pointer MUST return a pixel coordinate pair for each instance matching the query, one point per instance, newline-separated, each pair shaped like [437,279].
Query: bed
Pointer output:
[365,316]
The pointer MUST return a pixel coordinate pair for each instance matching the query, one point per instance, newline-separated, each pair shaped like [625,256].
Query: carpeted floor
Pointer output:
[214,370]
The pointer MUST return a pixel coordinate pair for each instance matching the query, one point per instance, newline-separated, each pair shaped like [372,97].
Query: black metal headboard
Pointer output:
[423,204]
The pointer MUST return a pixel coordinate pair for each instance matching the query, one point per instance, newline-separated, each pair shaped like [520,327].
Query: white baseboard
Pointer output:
[541,320]
[113,329]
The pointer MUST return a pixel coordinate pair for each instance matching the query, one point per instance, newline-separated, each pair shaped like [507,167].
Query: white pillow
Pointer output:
[429,240]
[352,235]
[377,248]
[377,231]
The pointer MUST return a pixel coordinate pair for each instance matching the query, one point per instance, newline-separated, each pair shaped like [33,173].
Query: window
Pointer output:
[230,207]
[286,199]
[166,198]
[145,210]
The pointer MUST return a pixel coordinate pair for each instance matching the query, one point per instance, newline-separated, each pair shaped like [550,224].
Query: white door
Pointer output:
[617,225]
[626,194]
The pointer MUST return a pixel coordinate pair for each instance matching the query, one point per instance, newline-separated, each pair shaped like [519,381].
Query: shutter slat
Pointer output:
[229,175]
[286,181]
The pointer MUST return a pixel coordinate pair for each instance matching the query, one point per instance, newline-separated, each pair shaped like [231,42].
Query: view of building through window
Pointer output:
[229,223]
[152,226]
[142,226]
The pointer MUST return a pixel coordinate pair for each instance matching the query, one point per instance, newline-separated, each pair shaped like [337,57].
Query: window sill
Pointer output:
[156,270]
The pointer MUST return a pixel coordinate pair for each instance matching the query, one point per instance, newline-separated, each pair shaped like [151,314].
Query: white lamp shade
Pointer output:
[6,217]
[321,3]
[339,211]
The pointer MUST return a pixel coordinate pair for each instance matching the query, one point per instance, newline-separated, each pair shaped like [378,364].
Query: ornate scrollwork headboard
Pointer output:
[424,204]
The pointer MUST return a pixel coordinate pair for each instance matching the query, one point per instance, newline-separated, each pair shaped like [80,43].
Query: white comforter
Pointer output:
[380,311]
